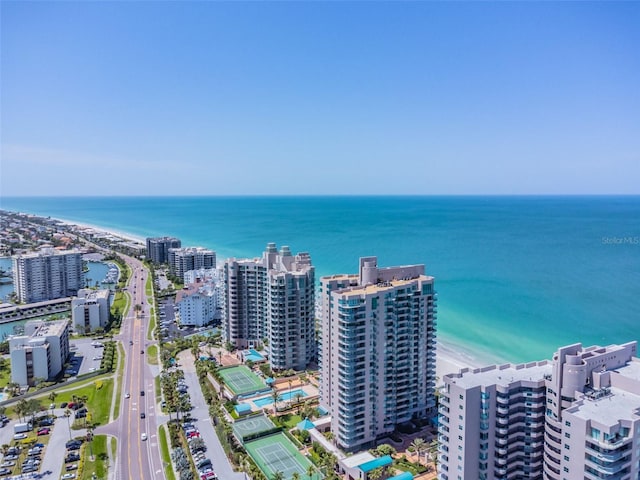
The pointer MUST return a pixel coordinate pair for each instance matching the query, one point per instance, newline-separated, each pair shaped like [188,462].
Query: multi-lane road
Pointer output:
[138,447]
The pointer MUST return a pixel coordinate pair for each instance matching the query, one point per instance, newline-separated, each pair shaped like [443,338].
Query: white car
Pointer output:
[127,395]
[143,437]
[20,436]
[68,475]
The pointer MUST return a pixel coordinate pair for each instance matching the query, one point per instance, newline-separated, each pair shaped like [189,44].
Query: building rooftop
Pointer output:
[383,286]
[357,460]
[501,374]
[612,406]
[45,329]
[631,369]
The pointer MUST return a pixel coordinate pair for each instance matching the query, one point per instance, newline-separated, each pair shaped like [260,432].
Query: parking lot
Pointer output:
[85,357]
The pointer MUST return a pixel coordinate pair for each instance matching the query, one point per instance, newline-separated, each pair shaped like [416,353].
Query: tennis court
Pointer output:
[240,380]
[275,453]
[252,426]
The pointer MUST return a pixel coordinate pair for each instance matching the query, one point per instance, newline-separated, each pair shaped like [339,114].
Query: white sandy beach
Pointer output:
[449,358]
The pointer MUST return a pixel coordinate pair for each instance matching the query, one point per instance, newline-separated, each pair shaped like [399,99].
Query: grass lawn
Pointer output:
[119,372]
[120,304]
[290,420]
[5,377]
[164,453]
[152,323]
[99,395]
[148,287]
[158,386]
[152,354]
[100,463]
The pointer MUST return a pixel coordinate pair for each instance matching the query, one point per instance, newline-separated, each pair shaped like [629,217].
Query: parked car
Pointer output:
[72,458]
[20,436]
[7,464]
[68,475]
[44,431]
[63,405]
[4,471]
[73,466]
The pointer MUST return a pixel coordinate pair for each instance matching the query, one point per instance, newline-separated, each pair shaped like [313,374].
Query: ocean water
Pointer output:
[517,277]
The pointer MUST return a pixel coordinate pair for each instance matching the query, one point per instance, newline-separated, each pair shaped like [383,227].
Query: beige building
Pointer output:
[377,351]
[273,298]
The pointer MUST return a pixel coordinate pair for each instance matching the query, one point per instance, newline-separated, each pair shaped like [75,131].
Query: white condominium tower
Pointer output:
[272,298]
[47,275]
[576,417]
[377,350]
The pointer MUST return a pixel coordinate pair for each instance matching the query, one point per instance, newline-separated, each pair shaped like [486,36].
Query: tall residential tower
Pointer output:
[47,275]
[576,417]
[377,352]
[272,298]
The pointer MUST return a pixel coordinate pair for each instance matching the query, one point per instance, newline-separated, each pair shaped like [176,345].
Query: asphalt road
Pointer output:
[136,458]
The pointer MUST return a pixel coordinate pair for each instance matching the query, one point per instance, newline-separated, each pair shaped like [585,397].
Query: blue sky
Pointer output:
[270,98]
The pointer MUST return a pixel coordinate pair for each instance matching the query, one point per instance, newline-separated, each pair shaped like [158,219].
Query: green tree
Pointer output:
[375,474]
[277,476]
[419,445]
[385,449]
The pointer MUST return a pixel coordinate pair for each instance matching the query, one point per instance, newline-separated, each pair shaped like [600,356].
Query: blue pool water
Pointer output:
[253,355]
[262,402]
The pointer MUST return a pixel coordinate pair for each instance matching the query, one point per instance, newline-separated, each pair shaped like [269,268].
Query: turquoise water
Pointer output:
[516,276]
[284,397]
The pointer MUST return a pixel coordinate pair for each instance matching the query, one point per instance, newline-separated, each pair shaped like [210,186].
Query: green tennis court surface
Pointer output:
[252,426]
[241,380]
[275,453]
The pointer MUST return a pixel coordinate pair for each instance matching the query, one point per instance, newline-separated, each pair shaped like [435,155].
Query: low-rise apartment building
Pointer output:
[39,354]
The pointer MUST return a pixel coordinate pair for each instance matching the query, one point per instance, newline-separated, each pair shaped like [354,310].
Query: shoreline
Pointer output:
[451,357]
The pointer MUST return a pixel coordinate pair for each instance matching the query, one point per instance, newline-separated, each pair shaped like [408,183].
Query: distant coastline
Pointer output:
[516,276]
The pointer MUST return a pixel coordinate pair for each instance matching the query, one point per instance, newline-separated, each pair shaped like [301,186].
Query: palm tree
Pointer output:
[275,395]
[419,445]
[52,397]
[4,448]
[310,471]
[277,476]
[433,451]
[295,476]
[298,397]
[375,474]
[67,413]
[21,409]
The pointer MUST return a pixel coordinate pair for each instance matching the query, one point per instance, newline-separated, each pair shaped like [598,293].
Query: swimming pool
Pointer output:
[253,355]
[284,397]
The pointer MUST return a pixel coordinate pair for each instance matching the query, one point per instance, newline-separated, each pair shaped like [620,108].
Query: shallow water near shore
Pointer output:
[517,277]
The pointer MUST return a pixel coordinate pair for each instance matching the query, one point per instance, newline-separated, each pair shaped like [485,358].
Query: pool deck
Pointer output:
[310,390]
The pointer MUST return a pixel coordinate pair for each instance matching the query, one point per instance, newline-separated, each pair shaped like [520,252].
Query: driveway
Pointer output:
[215,452]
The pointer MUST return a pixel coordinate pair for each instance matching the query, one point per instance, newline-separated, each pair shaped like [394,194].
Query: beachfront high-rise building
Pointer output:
[377,351]
[575,417]
[272,298]
[182,260]
[158,248]
[39,354]
[47,275]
